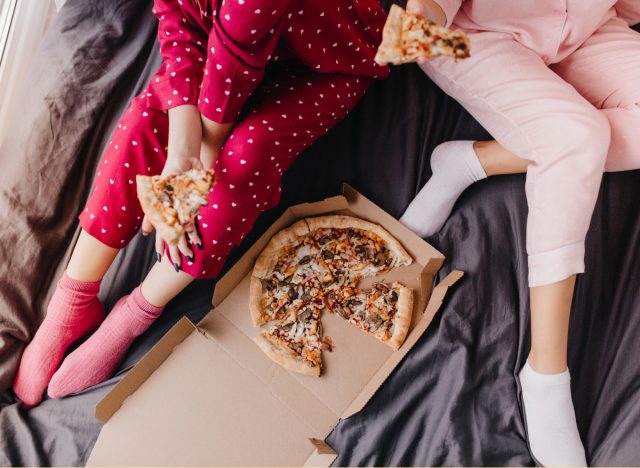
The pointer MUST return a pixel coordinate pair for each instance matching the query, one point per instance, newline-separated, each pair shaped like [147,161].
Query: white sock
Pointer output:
[455,166]
[551,419]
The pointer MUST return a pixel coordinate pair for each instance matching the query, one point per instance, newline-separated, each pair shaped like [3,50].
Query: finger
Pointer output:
[159,247]
[422,60]
[183,246]
[414,6]
[194,237]
[147,227]
[175,257]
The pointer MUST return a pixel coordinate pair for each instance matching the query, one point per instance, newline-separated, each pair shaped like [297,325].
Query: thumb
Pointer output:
[415,6]
[147,227]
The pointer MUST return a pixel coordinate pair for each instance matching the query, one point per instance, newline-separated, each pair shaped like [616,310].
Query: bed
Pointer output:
[453,400]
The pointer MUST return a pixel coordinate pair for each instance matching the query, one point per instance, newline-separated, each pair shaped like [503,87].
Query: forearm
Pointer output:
[214,136]
[185,132]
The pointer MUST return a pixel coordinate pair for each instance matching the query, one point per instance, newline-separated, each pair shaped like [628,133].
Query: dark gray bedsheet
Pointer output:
[453,400]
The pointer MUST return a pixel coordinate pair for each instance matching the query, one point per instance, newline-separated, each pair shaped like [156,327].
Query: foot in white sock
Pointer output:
[455,166]
[551,420]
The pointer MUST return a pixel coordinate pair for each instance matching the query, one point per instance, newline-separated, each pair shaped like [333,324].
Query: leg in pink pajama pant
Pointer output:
[606,71]
[570,119]
[538,116]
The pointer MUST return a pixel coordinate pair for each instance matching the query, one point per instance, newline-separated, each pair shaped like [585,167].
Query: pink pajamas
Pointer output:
[284,71]
[559,86]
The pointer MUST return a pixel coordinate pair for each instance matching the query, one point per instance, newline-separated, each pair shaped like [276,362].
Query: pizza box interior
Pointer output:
[207,395]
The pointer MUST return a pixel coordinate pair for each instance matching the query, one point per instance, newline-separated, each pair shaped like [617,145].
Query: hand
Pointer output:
[176,165]
[430,10]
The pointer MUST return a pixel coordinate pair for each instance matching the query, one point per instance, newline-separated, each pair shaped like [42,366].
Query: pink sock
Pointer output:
[74,310]
[97,358]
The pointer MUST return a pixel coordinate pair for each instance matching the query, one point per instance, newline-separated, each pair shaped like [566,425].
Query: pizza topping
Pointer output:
[172,202]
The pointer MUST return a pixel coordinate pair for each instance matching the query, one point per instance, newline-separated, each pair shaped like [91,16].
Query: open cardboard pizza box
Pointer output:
[207,395]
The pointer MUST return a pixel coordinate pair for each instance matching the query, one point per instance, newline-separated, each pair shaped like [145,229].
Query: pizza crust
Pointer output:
[269,256]
[255,301]
[153,210]
[390,50]
[402,317]
[346,222]
[285,359]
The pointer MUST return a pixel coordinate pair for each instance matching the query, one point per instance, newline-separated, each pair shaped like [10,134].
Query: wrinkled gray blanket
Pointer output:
[452,401]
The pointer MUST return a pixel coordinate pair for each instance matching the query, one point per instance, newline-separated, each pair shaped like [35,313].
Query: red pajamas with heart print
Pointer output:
[285,71]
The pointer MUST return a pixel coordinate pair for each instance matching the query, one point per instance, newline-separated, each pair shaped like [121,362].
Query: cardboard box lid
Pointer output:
[207,395]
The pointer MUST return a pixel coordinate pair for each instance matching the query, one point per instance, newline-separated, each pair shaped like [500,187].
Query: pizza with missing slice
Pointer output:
[315,265]
[172,202]
[406,37]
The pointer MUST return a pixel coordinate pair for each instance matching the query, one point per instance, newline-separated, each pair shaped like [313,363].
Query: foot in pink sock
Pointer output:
[97,358]
[74,311]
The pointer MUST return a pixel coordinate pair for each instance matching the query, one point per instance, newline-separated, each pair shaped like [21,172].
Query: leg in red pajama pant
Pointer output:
[280,123]
[570,121]
[285,115]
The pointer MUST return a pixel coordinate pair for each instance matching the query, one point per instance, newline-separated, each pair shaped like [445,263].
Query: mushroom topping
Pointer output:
[324,239]
[268,284]
[304,260]
[326,254]
[304,315]
[374,321]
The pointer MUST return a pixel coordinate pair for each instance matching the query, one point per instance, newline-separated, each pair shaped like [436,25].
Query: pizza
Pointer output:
[384,311]
[316,265]
[406,37]
[296,344]
[172,202]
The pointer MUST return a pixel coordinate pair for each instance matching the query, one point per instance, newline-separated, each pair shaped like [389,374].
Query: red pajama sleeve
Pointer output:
[242,39]
[183,48]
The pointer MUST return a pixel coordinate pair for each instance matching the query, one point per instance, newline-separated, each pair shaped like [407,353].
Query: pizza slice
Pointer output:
[296,345]
[172,202]
[355,247]
[406,37]
[384,311]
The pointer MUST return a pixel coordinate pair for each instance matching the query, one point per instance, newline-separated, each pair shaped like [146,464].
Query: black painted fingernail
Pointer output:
[177,268]
[199,245]
[158,257]
[189,257]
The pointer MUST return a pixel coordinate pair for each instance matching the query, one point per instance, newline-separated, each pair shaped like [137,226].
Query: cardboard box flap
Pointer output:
[143,369]
[322,447]
[324,207]
[437,297]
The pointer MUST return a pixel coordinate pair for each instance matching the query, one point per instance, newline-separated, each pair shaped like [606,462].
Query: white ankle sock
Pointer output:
[455,166]
[551,420]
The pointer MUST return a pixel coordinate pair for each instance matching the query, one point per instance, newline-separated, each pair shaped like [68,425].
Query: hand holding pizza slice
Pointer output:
[171,204]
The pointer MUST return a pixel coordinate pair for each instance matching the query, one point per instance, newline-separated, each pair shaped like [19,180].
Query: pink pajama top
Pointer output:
[205,65]
[552,28]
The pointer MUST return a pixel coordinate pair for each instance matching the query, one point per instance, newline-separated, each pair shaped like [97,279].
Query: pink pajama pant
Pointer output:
[286,114]
[574,119]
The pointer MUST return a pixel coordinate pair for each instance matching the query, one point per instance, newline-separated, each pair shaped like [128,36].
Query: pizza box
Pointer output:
[205,394]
